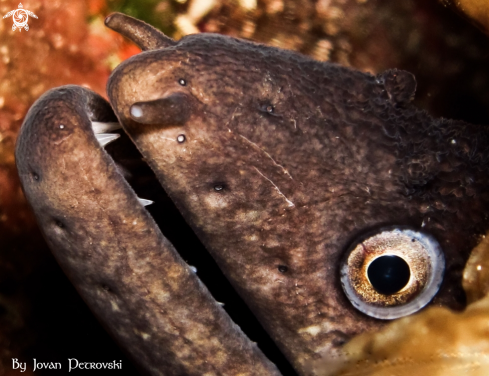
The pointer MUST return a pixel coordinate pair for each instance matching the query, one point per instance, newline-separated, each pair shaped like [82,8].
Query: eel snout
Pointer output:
[173,109]
[129,274]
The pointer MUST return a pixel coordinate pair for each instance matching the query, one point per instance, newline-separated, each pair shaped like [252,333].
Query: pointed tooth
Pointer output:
[105,138]
[220,303]
[100,127]
[145,202]
[193,268]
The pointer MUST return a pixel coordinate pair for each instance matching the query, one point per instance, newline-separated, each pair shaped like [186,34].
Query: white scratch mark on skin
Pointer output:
[278,190]
[63,139]
[313,330]
[232,117]
[269,156]
[166,138]
[295,123]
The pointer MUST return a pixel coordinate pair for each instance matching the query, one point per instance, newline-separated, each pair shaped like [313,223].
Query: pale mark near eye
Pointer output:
[278,190]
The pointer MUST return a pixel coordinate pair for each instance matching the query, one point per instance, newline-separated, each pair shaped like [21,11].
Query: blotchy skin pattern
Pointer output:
[287,160]
[109,246]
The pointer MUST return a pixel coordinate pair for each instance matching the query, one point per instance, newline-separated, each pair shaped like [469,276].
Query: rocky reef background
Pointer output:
[41,315]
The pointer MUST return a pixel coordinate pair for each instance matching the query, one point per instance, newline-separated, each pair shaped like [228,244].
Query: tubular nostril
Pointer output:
[173,109]
[136,111]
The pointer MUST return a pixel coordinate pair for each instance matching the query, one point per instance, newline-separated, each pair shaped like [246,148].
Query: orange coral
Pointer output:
[476,10]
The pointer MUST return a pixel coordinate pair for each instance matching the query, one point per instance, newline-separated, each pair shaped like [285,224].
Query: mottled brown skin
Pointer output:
[109,246]
[287,160]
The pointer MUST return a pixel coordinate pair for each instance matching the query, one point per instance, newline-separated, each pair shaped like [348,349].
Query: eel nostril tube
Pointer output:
[142,34]
[136,111]
[174,109]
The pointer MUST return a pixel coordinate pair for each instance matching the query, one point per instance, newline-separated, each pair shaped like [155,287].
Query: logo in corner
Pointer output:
[20,17]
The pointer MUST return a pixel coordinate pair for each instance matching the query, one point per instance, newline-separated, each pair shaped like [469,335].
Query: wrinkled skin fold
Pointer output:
[278,163]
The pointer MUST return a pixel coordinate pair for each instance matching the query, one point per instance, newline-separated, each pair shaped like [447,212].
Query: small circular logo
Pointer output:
[20,17]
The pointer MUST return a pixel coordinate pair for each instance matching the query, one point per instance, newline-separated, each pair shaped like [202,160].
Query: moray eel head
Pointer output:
[329,202]
[297,175]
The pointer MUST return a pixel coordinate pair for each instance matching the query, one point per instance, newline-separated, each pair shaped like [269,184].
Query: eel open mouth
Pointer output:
[143,181]
[146,296]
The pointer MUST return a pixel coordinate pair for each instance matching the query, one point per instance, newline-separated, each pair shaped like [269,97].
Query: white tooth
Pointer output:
[193,268]
[99,127]
[221,304]
[105,138]
[145,202]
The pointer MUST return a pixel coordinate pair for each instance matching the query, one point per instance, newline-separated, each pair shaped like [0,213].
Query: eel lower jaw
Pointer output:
[111,248]
[134,169]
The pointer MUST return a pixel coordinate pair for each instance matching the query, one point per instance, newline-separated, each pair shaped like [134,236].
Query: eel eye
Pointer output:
[392,273]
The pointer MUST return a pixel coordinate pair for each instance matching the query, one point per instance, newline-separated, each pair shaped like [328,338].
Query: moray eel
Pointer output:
[113,252]
[329,202]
